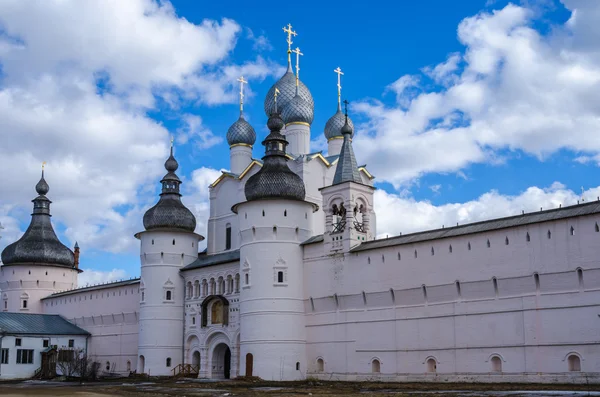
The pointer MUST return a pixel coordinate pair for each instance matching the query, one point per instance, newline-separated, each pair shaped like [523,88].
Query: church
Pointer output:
[295,284]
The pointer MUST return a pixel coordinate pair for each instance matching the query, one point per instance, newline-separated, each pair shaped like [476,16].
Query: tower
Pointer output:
[333,127]
[347,202]
[37,264]
[274,220]
[167,244]
[241,138]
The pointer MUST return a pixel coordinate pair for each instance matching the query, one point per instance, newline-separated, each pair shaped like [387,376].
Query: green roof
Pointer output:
[37,324]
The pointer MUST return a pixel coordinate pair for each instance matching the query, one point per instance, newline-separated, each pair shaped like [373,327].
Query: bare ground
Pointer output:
[196,387]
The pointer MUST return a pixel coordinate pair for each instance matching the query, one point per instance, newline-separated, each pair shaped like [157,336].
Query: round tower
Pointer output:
[167,244]
[241,138]
[37,264]
[274,220]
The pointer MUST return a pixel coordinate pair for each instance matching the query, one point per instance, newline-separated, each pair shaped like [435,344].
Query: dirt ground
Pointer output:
[197,387]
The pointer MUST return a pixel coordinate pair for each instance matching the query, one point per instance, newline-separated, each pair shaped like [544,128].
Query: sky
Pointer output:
[463,111]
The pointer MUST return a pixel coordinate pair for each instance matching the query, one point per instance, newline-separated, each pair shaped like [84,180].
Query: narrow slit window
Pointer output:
[280,277]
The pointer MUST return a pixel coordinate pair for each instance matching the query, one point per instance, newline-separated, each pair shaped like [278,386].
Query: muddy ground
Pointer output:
[196,387]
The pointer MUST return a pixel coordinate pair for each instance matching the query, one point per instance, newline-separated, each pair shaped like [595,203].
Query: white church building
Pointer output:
[293,282]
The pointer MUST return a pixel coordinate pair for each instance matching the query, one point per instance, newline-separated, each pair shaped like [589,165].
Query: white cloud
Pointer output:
[261,42]
[515,89]
[78,80]
[92,277]
[396,214]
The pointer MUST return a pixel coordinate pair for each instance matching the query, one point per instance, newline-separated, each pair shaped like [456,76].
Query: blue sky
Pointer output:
[464,110]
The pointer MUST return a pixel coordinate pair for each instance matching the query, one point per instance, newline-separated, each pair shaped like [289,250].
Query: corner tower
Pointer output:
[347,202]
[167,244]
[274,220]
[37,264]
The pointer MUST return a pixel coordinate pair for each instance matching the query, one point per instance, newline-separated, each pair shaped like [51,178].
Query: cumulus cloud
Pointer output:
[397,214]
[512,88]
[78,82]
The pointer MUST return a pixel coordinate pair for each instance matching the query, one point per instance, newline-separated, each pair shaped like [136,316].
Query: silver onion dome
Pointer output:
[241,132]
[287,91]
[298,111]
[333,127]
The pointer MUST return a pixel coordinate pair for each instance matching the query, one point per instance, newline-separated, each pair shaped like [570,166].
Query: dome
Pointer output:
[241,132]
[275,180]
[297,111]
[169,212]
[39,244]
[333,127]
[287,91]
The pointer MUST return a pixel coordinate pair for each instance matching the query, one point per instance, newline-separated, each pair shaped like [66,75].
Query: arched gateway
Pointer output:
[221,362]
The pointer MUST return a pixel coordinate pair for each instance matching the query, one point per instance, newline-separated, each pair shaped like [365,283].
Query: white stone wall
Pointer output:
[12,370]
[160,340]
[32,283]
[201,341]
[460,307]
[272,312]
[110,314]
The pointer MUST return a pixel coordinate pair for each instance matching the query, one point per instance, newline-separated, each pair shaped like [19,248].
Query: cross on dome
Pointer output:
[242,82]
[339,72]
[298,53]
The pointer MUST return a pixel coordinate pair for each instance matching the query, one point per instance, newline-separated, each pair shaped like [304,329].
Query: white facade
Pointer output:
[22,353]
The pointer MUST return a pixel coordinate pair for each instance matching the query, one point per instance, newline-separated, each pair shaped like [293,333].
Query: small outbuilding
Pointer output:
[32,344]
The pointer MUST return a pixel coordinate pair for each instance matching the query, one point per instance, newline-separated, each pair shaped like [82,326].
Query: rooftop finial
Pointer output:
[242,82]
[339,86]
[346,129]
[288,29]
[298,53]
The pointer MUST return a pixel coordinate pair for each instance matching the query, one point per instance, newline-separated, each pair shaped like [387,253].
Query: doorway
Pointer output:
[221,362]
[249,364]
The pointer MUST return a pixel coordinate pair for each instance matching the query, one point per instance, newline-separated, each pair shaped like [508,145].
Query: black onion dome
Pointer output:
[287,91]
[275,180]
[298,110]
[169,212]
[39,245]
[333,127]
[241,132]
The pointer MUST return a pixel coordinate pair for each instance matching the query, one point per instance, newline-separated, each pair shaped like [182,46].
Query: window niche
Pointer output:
[280,273]
[168,292]
[228,236]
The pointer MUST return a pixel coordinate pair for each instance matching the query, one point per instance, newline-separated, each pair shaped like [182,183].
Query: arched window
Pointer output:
[399,256]
[298,366]
[320,365]
[128,366]
[496,364]
[458,292]
[415,253]
[168,295]
[506,240]
[495,282]
[549,234]
[580,278]
[168,361]
[574,363]
[247,279]
[196,289]
[432,251]
[488,244]
[572,231]
[469,246]
[228,236]
[450,248]
[431,365]
[237,282]
[280,277]
[188,291]
[536,278]
[527,237]
[375,366]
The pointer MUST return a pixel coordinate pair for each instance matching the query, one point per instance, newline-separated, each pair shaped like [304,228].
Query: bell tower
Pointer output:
[347,202]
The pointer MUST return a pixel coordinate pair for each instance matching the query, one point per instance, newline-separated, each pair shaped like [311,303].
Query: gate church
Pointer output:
[293,282]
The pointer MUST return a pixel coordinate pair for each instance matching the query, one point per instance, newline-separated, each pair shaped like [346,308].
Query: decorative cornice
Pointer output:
[298,123]
[240,144]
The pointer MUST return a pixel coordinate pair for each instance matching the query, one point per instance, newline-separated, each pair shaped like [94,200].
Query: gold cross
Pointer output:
[172,140]
[242,82]
[298,53]
[43,165]
[339,84]
[288,29]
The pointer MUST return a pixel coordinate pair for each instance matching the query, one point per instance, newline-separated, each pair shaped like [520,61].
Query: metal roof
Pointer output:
[314,239]
[37,324]
[215,259]
[485,226]
[95,287]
